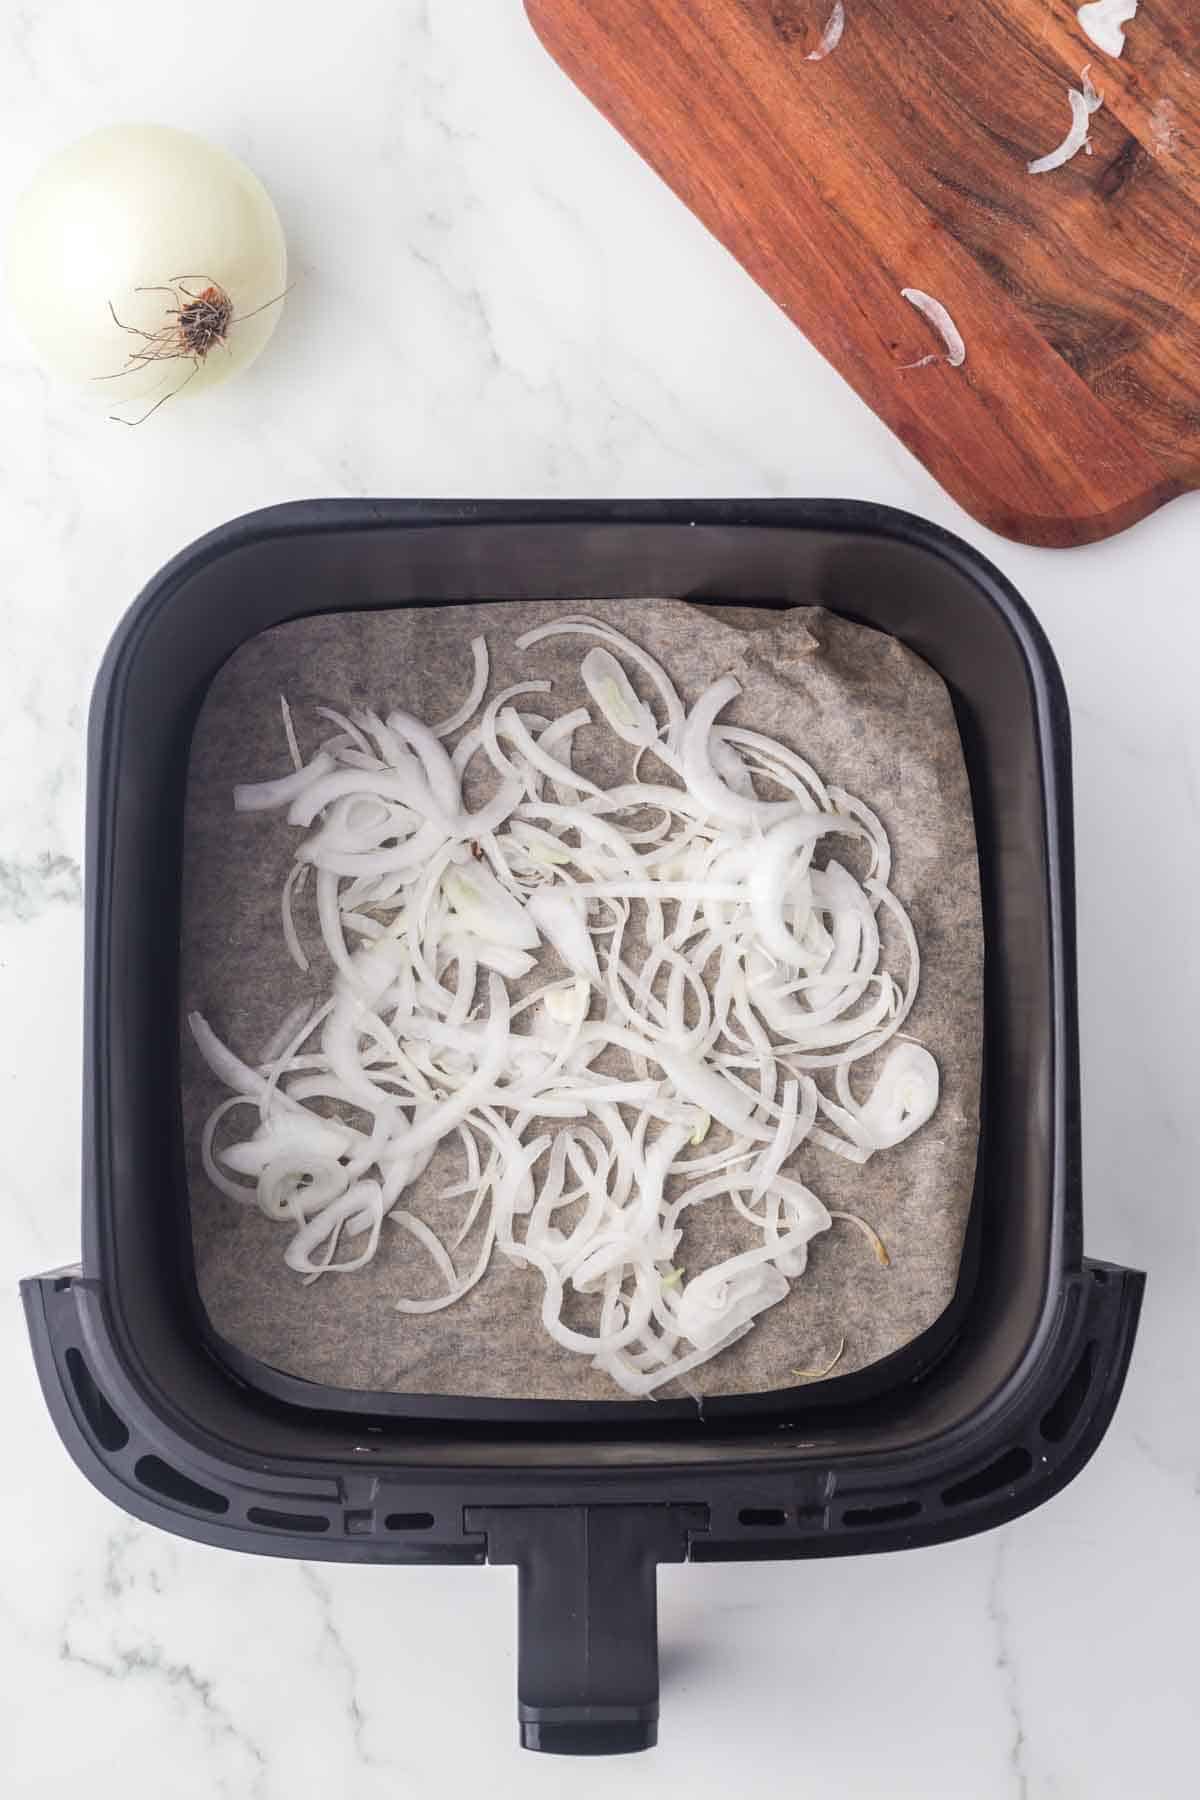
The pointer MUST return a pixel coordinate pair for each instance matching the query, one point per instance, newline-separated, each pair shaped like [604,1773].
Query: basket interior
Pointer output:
[315,559]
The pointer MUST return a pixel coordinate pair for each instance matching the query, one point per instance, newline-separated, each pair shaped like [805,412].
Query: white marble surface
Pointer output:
[496,298]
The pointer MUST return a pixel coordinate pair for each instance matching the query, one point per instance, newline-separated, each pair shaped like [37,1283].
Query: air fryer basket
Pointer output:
[987,1417]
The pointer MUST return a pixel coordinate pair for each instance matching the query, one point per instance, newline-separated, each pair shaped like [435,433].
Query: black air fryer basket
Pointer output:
[986,1416]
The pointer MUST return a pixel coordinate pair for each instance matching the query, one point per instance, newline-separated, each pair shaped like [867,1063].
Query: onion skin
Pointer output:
[136,207]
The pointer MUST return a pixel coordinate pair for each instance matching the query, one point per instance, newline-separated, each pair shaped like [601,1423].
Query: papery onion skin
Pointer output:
[128,209]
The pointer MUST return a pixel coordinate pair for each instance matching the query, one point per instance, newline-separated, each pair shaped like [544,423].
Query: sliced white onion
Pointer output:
[228,1068]
[437,767]
[561,920]
[282,1036]
[904,1097]
[730,1294]
[488,733]
[540,758]
[503,958]
[568,1006]
[296,877]
[720,949]
[610,687]
[474,699]
[730,766]
[483,907]
[715,796]
[1083,104]
[1102,21]
[638,656]
[300,1135]
[939,318]
[289,732]
[778,879]
[267,796]
[408,786]
[831,37]
[326,1226]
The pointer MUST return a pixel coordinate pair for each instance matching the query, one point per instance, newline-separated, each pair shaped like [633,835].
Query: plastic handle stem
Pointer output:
[587,1682]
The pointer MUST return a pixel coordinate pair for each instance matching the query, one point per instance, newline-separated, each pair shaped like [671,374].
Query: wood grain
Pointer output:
[900,161]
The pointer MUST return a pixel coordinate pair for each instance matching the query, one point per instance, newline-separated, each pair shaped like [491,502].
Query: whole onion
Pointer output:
[144,260]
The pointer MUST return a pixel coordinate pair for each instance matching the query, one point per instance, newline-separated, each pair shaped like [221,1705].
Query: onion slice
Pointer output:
[831,36]
[474,699]
[939,318]
[267,796]
[704,784]
[562,922]
[1083,104]
[1102,21]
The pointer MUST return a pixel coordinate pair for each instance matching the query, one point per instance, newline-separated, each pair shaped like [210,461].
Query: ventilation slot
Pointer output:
[762,1515]
[1058,1419]
[1012,1467]
[891,1514]
[108,1430]
[153,1473]
[281,1521]
[414,1521]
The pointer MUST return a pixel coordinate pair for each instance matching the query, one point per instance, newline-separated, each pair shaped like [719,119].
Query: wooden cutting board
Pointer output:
[899,160]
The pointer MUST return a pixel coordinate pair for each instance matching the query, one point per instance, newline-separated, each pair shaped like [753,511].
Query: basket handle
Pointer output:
[587,1679]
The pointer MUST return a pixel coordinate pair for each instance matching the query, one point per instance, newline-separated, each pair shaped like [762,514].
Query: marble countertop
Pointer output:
[495,297]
